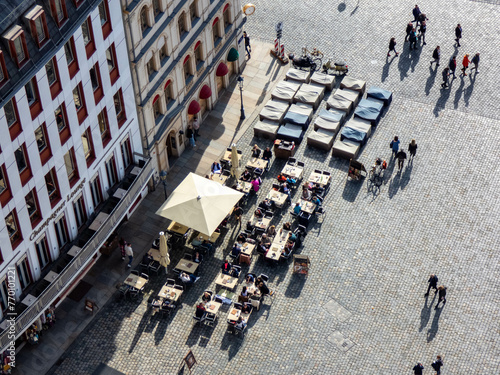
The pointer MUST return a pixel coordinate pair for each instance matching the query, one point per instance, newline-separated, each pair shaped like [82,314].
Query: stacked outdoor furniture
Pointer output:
[326,126]
[296,121]
[323,79]
[310,94]
[285,90]
[298,75]
[270,118]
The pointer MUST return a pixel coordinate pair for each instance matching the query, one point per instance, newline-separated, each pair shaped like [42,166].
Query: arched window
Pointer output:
[182,24]
[193,11]
[198,53]
[215,31]
[164,52]
[227,16]
[156,107]
[151,66]
[188,72]
[144,19]
[169,92]
[156,7]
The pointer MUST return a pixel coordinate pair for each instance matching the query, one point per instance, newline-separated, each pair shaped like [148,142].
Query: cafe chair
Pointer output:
[264,277]
[294,215]
[304,218]
[199,320]
[188,256]
[144,267]
[133,293]
[237,306]
[225,172]
[291,161]
[135,272]
[237,268]
[156,244]
[301,164]
[241,331]
[170,283]
[155,266]
[166,308]
[318,171]
[218,300]
[268,215]
[276,186]
[178,287]
[144,276]
[229,149]
[327,173]
[123,289]
[210,319]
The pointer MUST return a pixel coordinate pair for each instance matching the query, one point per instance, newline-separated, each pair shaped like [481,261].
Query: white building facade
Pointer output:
[70,138]
[183,54]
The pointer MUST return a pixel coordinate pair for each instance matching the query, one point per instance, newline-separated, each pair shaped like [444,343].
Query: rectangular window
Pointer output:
[12,117]
[33,98]
[38,25]
[88,37]
[80,214]
[71,57]
[15,234]
[112,65]
[71,167]
[3,182]
[192,11]
[95,189]
[126,152]
[24,274]
[88,147]
[4,294]
[102,119]
[4,76]
[52,187]
[53,77]
[23,164]
[62,123]
[104,17]
[42,142]
[79,100]
[111,171]
[5,193]
[20,50]
[33,208]
[151,67]
[95,79]
[59,12]
[119,108]
[61,231]
[42,252]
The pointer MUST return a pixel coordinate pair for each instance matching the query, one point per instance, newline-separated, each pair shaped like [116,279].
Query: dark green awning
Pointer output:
[233,54]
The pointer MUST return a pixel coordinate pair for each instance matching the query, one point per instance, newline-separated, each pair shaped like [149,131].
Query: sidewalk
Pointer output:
[219,130]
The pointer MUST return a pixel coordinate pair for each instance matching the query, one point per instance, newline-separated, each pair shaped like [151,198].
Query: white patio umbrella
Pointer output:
[235,162]
[164,257]
[199,203]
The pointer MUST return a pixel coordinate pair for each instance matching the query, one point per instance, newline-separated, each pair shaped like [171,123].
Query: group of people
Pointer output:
[436,365]
[229,269]
[265,242]
[400,154]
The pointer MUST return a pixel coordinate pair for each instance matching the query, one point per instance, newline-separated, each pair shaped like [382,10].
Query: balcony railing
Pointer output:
[80,261]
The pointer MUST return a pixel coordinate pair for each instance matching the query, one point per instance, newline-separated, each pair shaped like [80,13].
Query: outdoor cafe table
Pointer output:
[213,307]
[281,237]
[227,156]
[254,295]
[213,238]
[292,171]
[235,313]
[277,197]
[260,222]
[187,266]
[168,292]
[319,178]
[177,228]
[155,253]
[226,281]
[96,224]
[274,252]
[135,281]
[244,186]
[246,253]
[257,163]
[307,207]
[220,178]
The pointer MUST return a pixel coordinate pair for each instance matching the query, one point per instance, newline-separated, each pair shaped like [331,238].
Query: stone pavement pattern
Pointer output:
[361,310]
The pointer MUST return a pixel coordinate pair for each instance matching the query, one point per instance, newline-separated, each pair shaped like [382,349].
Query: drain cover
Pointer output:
[337,310]
[340,341]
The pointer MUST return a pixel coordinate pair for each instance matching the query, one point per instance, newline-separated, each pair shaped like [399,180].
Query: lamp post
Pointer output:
[240,84]
[163,178]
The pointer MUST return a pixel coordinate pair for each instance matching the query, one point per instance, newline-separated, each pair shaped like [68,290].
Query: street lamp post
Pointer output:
[163,178]
[240,84]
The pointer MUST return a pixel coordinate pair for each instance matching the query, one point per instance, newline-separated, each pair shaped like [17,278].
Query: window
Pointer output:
[111,171]
[42,142]
[80,214]
[33,208]
[53,77]
[33,98]
[52,187]
[144,19]
[227,16]
[70,51]
[88,37]
[198,53]
[71,167]
[88,147]
[151,67]
[61,231]
[102,119]
[112,63]
[156,107]
[12,117]
[23,273]
[17,45]
[126,152]
[104,17]
[59,13]
[15,234]
[5,193]
[169,96]
[215,31]
[95,79]
[62,123]
[4,294]
[181,22]
[95,189]
[119,108]
[156,7]
[38,25]
[4,77]
[23,164]
[187,69]
[42,251]
[79,100]
[193,14]
[164,53]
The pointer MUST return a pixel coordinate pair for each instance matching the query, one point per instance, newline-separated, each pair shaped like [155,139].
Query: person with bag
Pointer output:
[475,61]
[392,46]
[437,364]
[433,279]
[248,47]
[412,149]
[394,145]
[465,64]
[190,135]
[442,295]
[436,55]
[458,34]
[413,39]
[409,28]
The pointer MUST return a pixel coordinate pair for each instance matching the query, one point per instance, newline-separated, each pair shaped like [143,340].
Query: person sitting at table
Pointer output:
[265,240]
[267,204]
[226,267]
[256,185]
[297,208]
[200,310]
[286,251]
[258,171]
[206,297]
[249,279]
[291,180]
[261,248]
[258,213]
[267,154]
[306,193]
[188,278]
[236,250]
[197,257]
[240,324]
[292,237]
[286,189]
[216,168]
[147,258]
[197,241]
[241,238]
[243,297]
[271,231]
[263,288]
[316,200]
[207,245]
[234,272]
[255,151]
[247,308]
[246,176]
[287,226]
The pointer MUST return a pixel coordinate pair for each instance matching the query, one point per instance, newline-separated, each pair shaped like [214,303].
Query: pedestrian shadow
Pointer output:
[469,89]
[394,185]
[199,335]
[405,178]
[432,332]
[390,169]
[441,102]
[425,313]
[458,93]
[431,80]
[387,66]
[404,62]
[232,344]
[295,286]
[415,57]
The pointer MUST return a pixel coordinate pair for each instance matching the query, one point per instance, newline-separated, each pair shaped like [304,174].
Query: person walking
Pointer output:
[446,73]
[395,145]
[122,247]
[423,29]
[401,156]
[413,39]
[437,364]
[409,27]
[190,135]
[392,47]
[416,12]
[412,149]
[417,369]
[465,64]
[238,212]
[248,47]
[442,295]
[130,253]
[458,34]
[475,61]
[196,127]
[436,55]
[433,279]
[453,66]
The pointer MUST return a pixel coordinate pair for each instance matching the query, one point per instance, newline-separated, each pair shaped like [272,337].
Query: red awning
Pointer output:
[205,92]
[194,108]
[222,70]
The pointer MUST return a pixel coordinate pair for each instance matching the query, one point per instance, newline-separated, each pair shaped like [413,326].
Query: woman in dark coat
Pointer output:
[412,149]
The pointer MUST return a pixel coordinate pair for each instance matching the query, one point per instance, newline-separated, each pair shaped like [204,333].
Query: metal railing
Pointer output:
[80,261]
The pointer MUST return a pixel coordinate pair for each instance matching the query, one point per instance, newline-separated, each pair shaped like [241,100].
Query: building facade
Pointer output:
[183,54]
[70,148]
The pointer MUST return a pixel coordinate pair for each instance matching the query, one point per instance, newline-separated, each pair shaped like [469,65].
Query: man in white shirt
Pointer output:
[129,253]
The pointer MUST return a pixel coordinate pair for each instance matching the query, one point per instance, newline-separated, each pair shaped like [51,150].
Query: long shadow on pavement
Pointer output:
[432,332]
[431,80]
[425,313]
